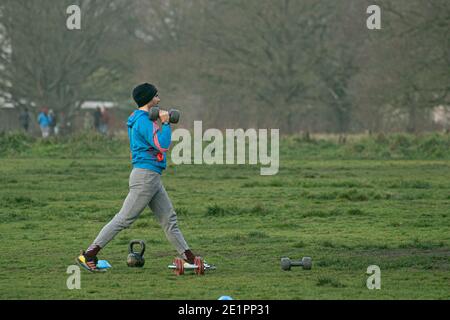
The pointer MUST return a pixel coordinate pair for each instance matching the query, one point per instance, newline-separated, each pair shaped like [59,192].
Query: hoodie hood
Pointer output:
[135,116]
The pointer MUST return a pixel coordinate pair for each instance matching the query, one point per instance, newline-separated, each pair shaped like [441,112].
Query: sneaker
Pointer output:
[188,257]
[90,264]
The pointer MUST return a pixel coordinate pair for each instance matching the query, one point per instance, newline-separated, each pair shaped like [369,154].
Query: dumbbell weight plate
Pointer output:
[174,116]
[179,263]
[285,264]
[307,263]
[200,270]
[154,113]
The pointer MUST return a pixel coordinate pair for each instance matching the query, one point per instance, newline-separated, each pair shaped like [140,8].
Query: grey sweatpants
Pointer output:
[146,189]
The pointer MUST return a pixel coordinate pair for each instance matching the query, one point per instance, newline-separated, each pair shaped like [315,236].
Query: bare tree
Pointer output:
[261,53]
[340,51]
[295,64]
[418,56]
[45,64]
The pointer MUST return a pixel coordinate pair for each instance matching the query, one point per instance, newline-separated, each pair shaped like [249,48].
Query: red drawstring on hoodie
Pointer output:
[160,155]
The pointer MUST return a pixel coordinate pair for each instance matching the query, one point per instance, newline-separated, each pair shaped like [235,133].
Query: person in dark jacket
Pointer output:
[97,118]
[24,119]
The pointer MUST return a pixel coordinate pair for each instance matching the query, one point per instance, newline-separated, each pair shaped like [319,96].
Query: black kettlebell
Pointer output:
[174,115]
[136,259]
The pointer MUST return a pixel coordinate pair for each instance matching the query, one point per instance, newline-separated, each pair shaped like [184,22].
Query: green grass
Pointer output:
[346,214]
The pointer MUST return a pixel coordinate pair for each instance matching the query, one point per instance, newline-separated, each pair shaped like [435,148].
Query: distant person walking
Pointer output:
[104,121]
[97,117]
[24,119]
[44,122]
[52,122]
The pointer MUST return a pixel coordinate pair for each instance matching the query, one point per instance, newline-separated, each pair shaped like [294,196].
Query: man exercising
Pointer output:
[148,146]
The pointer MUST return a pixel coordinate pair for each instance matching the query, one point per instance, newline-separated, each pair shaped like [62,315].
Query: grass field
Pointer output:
[346,214]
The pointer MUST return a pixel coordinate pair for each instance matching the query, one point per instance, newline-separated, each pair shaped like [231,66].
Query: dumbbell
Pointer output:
[174,115]
[287,263]
[198,267]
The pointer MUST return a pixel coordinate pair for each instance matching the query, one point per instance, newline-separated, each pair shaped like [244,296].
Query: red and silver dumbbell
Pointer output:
[199,267]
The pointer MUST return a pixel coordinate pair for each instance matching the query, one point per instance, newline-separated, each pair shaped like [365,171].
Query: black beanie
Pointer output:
[144,93]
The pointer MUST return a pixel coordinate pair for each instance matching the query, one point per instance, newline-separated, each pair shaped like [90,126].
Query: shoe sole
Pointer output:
[85,267]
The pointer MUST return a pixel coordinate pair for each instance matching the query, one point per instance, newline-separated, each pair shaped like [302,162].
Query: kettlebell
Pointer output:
[136,259]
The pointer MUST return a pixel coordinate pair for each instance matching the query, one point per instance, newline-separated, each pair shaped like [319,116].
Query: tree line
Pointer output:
[298,65]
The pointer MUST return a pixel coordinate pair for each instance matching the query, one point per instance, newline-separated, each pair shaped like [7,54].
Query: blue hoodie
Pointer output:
[43,120]
[143,149]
